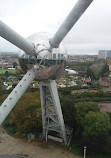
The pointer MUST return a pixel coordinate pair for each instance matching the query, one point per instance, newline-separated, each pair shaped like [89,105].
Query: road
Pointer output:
[14,146]
[11,156]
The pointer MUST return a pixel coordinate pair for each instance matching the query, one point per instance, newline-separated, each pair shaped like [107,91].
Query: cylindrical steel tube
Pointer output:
[10,35]
[69,22]
[15,95]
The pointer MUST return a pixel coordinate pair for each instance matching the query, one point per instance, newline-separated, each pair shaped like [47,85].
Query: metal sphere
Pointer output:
[49,65]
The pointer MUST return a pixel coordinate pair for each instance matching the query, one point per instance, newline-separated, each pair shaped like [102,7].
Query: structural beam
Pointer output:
[15,95]
[52,118]
[13,37]
[69,22]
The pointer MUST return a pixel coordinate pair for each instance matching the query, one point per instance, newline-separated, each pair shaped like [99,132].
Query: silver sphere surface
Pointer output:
[49,65]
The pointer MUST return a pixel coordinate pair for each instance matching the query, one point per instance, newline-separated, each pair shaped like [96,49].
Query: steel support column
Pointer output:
[53,123]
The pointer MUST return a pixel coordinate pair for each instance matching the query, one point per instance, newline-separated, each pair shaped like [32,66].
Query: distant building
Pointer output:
[81,58]
[71,71]
[109,54]
[7,62]
[105,82]
[104,54]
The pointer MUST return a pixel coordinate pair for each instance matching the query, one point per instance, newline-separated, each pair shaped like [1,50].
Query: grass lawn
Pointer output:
[2,71]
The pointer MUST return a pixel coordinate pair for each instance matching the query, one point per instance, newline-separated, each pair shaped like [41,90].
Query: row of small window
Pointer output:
[54,56]
[58,56]
[45,62]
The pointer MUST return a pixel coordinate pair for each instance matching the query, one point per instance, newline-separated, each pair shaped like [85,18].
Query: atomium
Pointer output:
[43,58]
[49,65]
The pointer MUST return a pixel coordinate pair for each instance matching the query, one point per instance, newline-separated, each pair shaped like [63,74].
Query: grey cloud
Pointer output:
[6,46]
[13,6]
[91,33]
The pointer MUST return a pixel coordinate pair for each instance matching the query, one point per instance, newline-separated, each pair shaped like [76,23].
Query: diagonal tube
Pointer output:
[69,22]
[15,95]
[11,54]
[10,35]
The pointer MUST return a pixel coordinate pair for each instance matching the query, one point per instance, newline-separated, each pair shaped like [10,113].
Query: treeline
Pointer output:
[91,95]
[97,70]
[95,96]
[91,128]
[0,85]
[79,65]
[25,118]
[94,69]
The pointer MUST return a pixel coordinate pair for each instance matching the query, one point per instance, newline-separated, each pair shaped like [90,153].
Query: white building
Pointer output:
[104,54]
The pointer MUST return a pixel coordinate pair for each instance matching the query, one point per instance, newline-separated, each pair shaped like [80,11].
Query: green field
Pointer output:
[2,71]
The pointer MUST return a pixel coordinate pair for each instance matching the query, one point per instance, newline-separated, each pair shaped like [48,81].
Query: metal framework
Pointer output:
[52,118]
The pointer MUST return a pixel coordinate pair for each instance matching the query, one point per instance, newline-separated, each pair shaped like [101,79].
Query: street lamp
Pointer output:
[84,151]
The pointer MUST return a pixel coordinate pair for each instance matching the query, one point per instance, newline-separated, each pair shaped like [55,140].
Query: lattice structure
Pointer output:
[53,123]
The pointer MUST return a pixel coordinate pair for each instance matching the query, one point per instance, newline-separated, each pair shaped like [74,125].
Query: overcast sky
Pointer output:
[91,33]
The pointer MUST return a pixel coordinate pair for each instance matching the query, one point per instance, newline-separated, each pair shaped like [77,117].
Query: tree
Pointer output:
[105,70]
[0,85]
[15,65]
[96,124]
[69,112]
[26,116]
[97,69]
[95,131]
[83,108]
[6,73]
[3,97]
[90,74]
[92,127]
